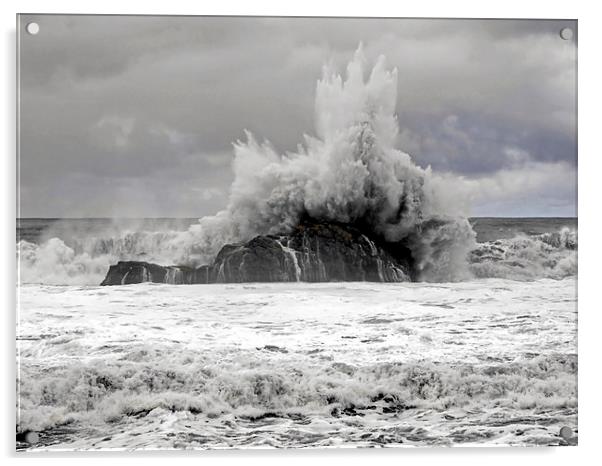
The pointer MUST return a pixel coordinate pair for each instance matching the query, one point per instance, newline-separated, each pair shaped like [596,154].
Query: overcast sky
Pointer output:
[135,116]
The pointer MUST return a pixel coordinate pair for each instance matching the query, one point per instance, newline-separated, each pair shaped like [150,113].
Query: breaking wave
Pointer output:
[550,255]
[254,388]
[85,260]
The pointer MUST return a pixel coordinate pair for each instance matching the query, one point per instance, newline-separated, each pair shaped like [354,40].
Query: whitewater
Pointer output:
[298,365]
[481,349]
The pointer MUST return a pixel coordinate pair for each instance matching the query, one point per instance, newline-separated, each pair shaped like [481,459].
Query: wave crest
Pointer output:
[550,255]
[254,388]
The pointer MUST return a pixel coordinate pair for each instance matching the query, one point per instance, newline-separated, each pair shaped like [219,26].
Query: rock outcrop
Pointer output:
[128,272]
[313,252]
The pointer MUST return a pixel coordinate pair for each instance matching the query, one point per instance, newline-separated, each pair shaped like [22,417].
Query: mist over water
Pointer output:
[349,172]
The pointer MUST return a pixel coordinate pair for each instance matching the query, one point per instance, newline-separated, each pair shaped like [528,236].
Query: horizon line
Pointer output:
[199,217]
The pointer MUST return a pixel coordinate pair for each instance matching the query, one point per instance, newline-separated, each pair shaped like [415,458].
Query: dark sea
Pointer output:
[35,230]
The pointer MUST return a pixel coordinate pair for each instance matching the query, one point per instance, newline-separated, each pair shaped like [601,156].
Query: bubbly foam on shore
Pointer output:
[304,363]
[253,387]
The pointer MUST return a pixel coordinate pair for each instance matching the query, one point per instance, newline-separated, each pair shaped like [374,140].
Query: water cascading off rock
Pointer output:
[313,252]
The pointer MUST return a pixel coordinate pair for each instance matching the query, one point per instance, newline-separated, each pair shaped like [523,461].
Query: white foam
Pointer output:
[204,358]
[550,255]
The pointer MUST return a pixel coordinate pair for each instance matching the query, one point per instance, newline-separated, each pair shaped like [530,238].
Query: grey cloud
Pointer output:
[152,105]
[470,143]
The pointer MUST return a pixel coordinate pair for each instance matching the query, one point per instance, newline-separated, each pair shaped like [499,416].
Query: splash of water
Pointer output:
[351,172]
[550,255]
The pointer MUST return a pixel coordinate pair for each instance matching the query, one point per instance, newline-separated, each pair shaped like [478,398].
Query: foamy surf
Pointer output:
[87,258]
[298,365]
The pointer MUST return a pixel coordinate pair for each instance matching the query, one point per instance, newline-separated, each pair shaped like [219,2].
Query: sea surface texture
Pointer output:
[490,360]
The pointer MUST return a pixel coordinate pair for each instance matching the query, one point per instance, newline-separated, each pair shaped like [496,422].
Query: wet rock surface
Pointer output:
[129,272]
[312,252]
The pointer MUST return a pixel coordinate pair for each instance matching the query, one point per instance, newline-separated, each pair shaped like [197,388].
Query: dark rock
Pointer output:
[273,348]
[260,260]
[201,275]
[313,252]
[129,272]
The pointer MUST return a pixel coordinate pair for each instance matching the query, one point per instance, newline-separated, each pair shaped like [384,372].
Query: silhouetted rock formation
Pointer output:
[128,272]
[313,252]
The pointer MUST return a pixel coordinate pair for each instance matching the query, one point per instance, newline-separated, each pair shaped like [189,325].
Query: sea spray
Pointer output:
[549,255]
[349,172]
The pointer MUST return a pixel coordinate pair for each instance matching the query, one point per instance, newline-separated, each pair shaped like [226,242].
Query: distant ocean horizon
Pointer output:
[489,228]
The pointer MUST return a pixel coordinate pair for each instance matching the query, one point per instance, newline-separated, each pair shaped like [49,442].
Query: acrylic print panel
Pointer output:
[242,232]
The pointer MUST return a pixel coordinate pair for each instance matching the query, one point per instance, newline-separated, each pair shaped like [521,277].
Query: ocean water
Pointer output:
[37,230]
[490,360]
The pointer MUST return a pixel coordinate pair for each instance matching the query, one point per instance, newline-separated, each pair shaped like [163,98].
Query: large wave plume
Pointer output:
[349,172]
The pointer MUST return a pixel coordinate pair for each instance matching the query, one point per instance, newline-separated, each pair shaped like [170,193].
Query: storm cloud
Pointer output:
[126,116]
